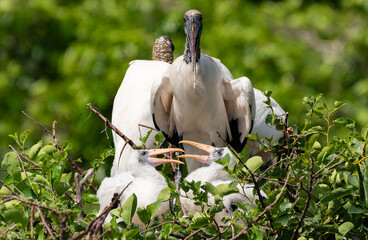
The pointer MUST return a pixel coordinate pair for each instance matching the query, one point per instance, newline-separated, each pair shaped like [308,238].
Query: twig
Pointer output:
[11,197]
[193,233]
[324,175]
[159,225]
[30,169]
[44,223]
[31,221]
[255,182]
[20,159]
[11,190]
[97,223]
[328,164]
[103,234]
[176,220]
[268,208]
[26,158]
[59,147]
[231,225]
[13,225]
[79,189]
[126,139]
[145,126]
[309,195]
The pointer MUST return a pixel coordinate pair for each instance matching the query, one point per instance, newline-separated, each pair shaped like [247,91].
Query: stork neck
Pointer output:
[188,56]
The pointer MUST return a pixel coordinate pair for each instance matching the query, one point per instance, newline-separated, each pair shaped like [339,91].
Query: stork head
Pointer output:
[213,153]
[163,49]
[148,156]
[193,30]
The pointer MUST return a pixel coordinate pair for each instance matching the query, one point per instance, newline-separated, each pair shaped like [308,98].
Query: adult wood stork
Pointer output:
[263,129]
[132,101]
[146,184]
[215,174]
[200,98]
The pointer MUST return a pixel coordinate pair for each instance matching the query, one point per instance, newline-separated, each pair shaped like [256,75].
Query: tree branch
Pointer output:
[46,226]
[126,139]
[59,147]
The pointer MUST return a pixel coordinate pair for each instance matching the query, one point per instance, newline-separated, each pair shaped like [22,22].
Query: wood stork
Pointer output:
[146,184]
[132,101]
[215,174]
[200,98]
[262,128]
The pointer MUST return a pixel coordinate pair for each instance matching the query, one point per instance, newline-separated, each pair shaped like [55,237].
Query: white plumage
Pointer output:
[215,174]
[132,102]
[262,128]
[199,98]
[146,184]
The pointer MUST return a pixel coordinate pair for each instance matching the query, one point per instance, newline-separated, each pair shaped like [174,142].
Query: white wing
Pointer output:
[132,107]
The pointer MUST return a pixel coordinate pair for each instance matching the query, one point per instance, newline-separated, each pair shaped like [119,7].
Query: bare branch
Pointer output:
[309,195]
[11,190]
[11,227]
[117,131]
[46,226]
[79,189]
[11,197]
[31,221]
[20,159]
[98,222]
[24,157]
[268,208]
[59,147]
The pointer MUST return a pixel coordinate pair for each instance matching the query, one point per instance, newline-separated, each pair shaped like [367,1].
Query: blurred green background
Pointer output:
[58,55]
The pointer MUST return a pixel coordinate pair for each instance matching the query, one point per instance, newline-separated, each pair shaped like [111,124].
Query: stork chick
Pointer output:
[146,184]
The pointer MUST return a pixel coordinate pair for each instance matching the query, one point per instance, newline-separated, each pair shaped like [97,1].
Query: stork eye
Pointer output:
[233,207]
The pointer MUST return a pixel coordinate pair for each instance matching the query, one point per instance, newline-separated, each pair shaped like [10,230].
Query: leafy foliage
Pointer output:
[56,56]
[317,187]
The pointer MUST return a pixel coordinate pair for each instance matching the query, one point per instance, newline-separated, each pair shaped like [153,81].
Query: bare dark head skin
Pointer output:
[193,30]
[163,49]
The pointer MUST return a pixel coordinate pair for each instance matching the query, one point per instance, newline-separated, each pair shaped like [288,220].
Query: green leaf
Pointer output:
[365,131]
[345,228]
[152,208]
[199,220]
[326,151]
[144,138]
[90,198]
[47,149]
[13,214]
[164,195]
[23,136]
[337,193]
[143,215]
[338,104]
[312,140]
[34,150]
[14,137]
[39,179]
[284,219]
[357,209]
[253,164]
[4,191]
[11,164]
[131,233]
[362,188]
[129,207]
